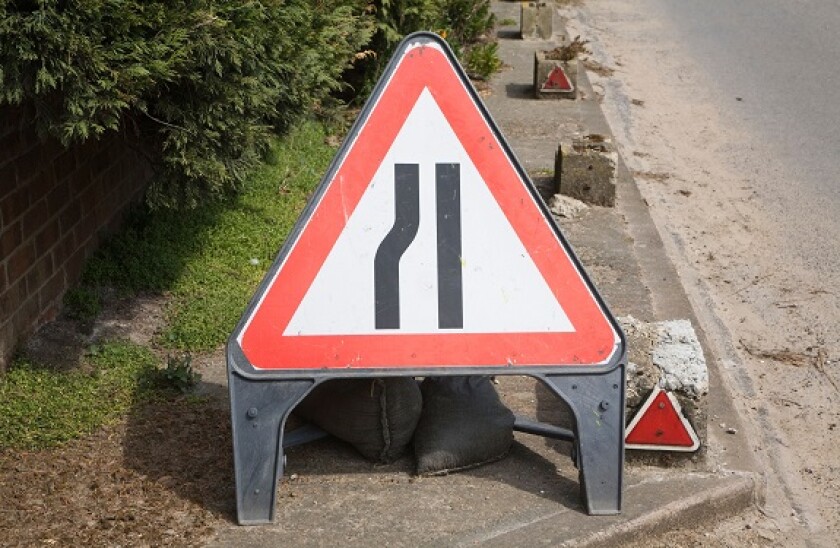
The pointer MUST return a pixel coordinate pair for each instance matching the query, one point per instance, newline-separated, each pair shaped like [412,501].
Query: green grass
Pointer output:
[205,259]
[41,407]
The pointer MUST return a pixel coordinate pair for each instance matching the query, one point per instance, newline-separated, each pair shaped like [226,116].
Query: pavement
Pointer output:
[330,495]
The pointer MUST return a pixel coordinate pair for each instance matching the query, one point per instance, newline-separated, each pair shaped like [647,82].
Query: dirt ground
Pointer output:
[771,319]
[155,478]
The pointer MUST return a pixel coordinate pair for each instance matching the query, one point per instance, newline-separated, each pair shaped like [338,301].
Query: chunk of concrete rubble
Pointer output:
[667,354]
[642,375]
[566,206]
[678,355]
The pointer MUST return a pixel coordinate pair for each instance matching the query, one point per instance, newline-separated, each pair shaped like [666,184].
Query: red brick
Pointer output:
[50,150]
[10,239]
[49,235]
[10,144]
[20,261]
[28,164]
[25,316]
[34,218]
[11,298]
[58,197]
[13,205]
[38,275]
[41,184]
[64,164]
[8,340]
[52,289]
[100,161]
[81,179]
[73,266]
[64,250]
[87,200]
[85,228]
[69,217]
[8,179]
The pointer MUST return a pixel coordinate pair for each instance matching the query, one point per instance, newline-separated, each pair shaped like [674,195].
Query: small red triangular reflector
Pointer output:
[558,81]
[660,425]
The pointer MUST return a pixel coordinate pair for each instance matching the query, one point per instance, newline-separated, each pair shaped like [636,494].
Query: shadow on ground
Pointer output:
[184,444]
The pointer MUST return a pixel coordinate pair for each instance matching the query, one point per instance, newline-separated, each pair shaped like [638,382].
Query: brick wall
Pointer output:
[56,204]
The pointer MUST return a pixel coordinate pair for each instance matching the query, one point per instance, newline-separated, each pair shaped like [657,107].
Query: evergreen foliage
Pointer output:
[464,23]
[202,83]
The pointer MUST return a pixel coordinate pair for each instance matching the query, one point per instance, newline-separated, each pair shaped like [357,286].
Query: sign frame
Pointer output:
[262,399]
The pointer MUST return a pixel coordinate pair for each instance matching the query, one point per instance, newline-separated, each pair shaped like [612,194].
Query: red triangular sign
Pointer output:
[558,81]
[425,246]
[660,425]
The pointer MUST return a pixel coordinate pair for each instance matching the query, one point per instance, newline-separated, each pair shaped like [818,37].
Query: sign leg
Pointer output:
[258,411]
[597,403]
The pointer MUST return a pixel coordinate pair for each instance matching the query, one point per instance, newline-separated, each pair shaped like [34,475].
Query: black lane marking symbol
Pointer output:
[386,263]
[450,290]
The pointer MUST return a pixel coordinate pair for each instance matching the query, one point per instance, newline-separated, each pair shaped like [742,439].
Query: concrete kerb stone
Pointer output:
[584,168]
[543,71]
[536,20]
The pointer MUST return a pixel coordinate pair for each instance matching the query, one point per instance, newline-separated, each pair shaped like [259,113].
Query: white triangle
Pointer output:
[503,291]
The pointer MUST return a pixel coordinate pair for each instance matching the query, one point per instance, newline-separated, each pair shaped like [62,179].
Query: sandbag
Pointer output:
[376,416]
[463,424]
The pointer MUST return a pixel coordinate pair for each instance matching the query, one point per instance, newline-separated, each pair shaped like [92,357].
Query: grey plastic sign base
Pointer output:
[260,407]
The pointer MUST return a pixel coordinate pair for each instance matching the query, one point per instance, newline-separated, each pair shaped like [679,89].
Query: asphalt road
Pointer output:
[778,63]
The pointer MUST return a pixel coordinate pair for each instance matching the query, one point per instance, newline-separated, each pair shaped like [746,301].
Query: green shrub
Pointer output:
[177,376]
[467,22]
[82,304]
[482,60]
[464,23]
[201,83]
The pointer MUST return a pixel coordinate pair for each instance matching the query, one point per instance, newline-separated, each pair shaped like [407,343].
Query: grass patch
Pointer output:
[210,260]
[42,407]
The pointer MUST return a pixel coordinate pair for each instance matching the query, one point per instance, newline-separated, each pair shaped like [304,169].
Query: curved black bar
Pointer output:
[386,264]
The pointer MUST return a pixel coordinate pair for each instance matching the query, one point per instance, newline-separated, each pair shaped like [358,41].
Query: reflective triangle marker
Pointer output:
[660,425]
[558,81]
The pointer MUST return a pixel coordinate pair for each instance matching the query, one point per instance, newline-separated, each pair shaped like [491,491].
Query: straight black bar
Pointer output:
[386,263]
[450,282]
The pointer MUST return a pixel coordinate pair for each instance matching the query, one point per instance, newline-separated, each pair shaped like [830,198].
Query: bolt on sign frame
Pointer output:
[425,251]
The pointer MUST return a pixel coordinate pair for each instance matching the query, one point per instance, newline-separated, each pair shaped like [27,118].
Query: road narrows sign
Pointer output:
[425,251]
[425,247]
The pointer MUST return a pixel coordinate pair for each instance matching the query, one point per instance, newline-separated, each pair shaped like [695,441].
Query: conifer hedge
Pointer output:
[203,84]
